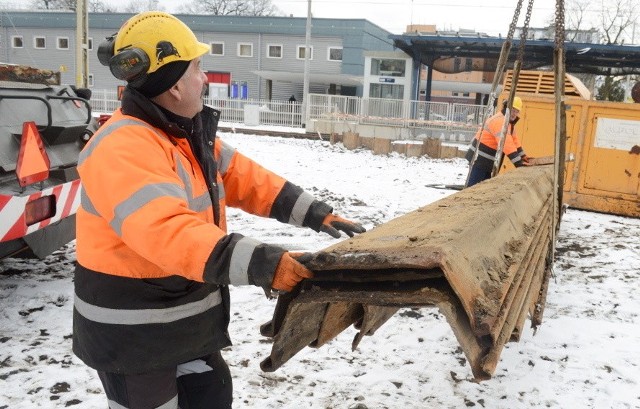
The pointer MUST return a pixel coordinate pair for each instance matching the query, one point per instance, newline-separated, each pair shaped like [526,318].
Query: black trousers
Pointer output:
[200,384]
[478,175]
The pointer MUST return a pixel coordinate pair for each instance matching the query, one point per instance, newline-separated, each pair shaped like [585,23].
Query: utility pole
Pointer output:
[82,30]
[307,52]
[627,88]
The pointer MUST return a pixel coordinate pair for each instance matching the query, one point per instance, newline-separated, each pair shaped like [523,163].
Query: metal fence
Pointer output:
[334,108]
[395,112]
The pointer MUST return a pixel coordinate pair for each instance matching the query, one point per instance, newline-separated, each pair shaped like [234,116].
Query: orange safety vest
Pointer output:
[488,137]
[153,267]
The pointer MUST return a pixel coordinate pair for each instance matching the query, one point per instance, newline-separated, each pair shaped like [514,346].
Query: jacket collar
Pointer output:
[137,105]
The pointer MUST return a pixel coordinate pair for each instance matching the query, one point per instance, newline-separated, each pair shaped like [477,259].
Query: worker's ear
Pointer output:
[176,91]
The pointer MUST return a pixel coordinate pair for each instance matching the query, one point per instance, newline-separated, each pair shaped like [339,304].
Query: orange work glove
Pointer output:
[289,272]
[332,223]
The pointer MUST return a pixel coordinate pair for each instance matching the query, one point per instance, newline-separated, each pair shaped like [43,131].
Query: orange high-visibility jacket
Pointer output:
[488,137]
[154,257]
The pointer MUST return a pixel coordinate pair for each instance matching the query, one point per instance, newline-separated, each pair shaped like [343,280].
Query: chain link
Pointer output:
[559,39]
[525,31]
[514,21]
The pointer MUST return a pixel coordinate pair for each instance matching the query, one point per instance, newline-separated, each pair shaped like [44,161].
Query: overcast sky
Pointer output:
[492,17]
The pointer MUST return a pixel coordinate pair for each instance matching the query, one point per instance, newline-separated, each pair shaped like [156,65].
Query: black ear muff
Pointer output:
[130,64]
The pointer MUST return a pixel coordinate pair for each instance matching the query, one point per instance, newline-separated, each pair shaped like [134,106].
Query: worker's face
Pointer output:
[192,87]
[515,113]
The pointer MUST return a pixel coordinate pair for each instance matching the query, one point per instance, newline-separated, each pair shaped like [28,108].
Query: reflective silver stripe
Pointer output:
[200,203]
[184,177]
[239,264]
[86,203]
[300,209]
[516,158]
[483,154]
[146,316]
[140,198]
[98,137]
[226,153]
[195,366]
[172,404]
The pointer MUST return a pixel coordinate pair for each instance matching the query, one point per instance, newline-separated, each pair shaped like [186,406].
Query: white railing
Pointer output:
[274,113]
[337,108]
[395,112]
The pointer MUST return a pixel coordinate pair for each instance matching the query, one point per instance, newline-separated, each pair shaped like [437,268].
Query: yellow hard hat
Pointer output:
[146,42]
[161,36]
[517,103]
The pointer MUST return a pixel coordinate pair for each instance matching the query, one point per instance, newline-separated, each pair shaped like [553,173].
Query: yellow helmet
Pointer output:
[148,41]
[517,103]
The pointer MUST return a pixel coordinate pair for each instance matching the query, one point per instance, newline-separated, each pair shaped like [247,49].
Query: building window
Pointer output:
[245,50]
[217,49]
[388,67]
[16,42]
[39,42]
[301,52]
[274,51]
[334,54]
[468,64]
[388,91]
[89,44]
[63,43]
[90,80]
[456,64]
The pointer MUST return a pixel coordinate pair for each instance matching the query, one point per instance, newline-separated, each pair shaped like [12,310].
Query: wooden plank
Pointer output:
[431,147]
[351,140]
[381,146]
[413,150]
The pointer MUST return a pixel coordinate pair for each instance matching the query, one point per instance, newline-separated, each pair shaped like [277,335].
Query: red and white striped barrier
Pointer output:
[12,209]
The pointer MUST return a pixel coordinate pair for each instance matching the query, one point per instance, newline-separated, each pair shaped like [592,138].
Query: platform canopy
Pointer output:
[581,58]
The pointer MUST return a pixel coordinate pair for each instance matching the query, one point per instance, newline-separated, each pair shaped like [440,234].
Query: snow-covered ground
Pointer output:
[586,354]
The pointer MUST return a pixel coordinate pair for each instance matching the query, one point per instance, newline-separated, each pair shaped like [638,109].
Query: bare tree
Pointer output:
[615,19]
[53,4]
[231,7]
[99,6]
[137,6]
[576,18]
[94,6]
[619,21]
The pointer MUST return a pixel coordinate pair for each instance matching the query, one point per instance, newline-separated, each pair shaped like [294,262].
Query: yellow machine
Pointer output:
[603,143]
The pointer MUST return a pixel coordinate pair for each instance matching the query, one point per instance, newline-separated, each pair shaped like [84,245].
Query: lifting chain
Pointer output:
[502,62]
[525,31]
[514,20]
[559,155]
[497,160]
[559,21]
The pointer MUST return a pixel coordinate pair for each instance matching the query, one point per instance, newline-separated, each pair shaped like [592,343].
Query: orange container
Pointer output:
[603,138]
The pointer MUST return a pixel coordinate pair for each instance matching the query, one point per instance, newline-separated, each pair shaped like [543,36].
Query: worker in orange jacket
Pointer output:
[155,261]
[488,137]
